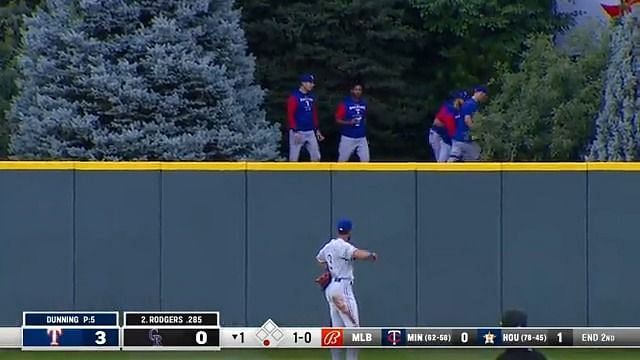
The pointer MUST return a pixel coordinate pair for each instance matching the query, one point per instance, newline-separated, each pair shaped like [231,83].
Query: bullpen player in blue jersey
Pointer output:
[444,126]
[302,117]
[463,148]
[351,115]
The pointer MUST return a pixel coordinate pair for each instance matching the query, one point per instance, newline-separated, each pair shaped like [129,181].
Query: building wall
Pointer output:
[587,8]
[458,243]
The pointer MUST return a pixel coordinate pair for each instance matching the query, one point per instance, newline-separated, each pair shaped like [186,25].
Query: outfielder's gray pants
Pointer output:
[464,151]
[349,145]
[441,149]
[308,140]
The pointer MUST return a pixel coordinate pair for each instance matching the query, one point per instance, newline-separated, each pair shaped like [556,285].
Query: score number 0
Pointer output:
[464,337]
[201,337]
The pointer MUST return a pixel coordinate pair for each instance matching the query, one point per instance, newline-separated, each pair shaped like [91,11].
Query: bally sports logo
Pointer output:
[332,337]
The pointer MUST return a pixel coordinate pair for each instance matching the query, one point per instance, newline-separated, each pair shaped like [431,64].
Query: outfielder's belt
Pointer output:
[342,279]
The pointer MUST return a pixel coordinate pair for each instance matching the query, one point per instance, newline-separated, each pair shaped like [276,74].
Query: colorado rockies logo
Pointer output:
[154,336]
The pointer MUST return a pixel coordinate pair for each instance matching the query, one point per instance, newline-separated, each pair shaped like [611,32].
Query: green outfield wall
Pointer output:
[458,243]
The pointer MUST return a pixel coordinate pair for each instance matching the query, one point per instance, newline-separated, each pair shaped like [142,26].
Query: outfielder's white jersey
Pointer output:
[343,307]
[338,254]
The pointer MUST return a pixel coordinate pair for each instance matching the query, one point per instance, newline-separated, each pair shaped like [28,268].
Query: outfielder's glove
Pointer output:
[324,280]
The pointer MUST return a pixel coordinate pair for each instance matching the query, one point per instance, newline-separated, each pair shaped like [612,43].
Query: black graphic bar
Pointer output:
[172,319]
[162,337]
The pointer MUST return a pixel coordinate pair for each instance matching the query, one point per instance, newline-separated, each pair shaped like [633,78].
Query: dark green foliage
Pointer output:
[478,34]
[11,15]
[545,110]
[337,40]
[410,54]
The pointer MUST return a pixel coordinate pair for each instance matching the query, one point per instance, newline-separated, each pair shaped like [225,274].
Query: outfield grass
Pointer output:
[378,354]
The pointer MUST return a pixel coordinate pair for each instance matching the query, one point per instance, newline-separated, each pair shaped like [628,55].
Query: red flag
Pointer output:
[621,9]
[612,10]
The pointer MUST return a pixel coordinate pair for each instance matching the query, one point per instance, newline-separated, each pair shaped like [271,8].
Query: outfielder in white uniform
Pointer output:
[338,256]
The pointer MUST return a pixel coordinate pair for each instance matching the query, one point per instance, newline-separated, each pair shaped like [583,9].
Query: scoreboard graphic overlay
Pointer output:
[70,331]
[493,337]
[201,331]
[181,331]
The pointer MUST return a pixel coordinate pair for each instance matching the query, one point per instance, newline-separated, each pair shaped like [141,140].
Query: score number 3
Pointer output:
[101,337]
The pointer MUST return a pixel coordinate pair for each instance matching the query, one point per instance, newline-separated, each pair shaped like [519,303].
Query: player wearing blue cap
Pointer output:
[302,118]
[463,148]
[351,115]
[444,126]
[338,256]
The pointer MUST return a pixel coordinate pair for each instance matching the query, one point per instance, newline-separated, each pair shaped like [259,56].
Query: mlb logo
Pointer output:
[394,337]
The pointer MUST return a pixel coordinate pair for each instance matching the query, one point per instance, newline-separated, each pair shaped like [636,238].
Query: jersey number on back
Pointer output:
[330,262]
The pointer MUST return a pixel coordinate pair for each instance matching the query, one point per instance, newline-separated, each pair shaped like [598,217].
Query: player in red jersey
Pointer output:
[444,126]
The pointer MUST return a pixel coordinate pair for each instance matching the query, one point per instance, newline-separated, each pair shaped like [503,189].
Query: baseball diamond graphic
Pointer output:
[269,333]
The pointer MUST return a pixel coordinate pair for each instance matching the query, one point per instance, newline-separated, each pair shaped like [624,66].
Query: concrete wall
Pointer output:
[458,243]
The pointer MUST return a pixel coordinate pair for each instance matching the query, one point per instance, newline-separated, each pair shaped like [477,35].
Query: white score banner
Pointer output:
[270,337]
[10,338]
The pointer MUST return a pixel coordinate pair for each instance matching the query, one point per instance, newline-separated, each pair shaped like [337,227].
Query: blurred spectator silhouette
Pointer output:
[517,318]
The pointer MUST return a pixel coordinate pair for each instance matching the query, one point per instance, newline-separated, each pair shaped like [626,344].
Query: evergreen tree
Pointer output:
[617,135]
[11,14]
[147,80]
[545,110]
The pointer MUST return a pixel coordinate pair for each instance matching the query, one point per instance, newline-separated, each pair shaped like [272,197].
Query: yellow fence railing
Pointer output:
[321,166]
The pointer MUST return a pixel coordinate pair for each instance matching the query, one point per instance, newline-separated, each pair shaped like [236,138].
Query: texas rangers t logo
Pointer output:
[54,334]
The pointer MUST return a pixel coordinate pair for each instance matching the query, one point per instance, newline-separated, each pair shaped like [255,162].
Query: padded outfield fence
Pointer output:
[458,243]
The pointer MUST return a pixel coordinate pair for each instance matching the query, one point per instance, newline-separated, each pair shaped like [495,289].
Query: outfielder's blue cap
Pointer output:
[344,225]
[307,78]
